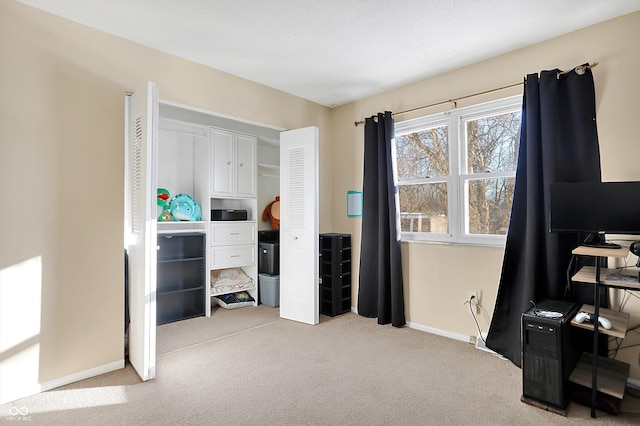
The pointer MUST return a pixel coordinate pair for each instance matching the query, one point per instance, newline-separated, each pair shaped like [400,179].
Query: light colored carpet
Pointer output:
[222,322]
[347,370]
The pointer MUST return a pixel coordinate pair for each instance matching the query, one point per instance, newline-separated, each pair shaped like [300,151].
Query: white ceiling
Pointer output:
[336,51]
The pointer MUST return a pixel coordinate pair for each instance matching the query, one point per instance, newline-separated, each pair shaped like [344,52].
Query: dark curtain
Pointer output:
[558,143]
[380,293]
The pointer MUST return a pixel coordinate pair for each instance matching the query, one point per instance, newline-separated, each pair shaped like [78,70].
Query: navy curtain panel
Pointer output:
[558,143]
[380,293]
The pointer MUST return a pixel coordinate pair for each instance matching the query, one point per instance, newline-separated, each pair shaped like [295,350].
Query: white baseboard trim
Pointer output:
[81,375]
[65,380]
[439,332]
[431,330]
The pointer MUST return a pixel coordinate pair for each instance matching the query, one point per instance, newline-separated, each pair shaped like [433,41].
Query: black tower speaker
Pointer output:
[550,350]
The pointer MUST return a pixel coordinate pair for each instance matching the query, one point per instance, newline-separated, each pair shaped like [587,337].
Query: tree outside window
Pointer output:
[456,172]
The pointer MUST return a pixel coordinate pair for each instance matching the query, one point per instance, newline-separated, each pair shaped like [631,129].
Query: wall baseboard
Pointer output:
[66,380]
[81,375]
[439,332]
[431,330]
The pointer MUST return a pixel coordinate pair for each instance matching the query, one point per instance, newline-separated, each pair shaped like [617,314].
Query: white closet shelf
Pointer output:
[273,167]
[268,170]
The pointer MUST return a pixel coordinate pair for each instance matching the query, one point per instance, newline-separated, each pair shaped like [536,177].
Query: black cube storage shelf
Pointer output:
[180,277]
[335,274]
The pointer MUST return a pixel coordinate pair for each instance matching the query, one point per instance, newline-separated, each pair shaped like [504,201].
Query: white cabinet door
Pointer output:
[299,225]
[141,226]
[246,166]
[222,162]
[233,162]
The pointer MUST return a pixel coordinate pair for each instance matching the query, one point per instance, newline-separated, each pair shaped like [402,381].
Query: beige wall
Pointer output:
[61,172]
[438,277]
[61,181]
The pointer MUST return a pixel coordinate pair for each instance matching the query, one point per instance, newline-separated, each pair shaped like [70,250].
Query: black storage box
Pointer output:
[228,214]
[269,236]
[269,258]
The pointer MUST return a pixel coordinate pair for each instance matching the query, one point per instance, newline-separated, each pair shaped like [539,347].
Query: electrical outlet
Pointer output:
[474,300]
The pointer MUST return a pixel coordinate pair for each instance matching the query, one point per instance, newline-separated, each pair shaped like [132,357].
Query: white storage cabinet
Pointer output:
[234,165]
[233,186]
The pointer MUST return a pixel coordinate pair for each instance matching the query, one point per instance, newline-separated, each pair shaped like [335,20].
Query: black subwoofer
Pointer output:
[550,350]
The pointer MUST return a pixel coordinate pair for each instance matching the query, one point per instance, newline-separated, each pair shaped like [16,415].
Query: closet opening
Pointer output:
[194,204]
[216,176]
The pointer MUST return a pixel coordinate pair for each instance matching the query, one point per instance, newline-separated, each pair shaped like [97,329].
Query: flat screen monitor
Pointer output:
[595,207]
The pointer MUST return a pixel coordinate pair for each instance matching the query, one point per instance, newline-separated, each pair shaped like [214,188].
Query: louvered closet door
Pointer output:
[141,226]
[299,225]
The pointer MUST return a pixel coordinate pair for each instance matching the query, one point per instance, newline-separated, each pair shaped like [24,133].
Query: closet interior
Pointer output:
[217,180]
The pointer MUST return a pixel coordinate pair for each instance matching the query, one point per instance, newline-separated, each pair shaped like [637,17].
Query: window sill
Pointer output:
[500,245]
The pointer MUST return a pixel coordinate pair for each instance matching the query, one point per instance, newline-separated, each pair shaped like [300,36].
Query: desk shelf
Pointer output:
[619,321]
[601,374]
[600,251]
[612,375]
[609,277]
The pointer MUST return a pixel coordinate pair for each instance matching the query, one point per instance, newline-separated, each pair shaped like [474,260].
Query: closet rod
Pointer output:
[579,69]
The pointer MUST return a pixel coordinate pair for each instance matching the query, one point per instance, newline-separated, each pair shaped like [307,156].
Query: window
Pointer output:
[456,173]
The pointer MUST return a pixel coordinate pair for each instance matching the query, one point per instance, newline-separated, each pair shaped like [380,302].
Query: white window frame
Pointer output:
[458,179]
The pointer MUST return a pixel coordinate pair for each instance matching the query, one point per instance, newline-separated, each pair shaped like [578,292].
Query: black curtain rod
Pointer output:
[579,69]
[454,101]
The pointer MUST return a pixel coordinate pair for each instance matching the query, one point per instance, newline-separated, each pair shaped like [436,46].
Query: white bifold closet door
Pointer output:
[299,298]
[141,226]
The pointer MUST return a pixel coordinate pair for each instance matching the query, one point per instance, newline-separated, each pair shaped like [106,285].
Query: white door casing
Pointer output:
[141,225]
[299,298]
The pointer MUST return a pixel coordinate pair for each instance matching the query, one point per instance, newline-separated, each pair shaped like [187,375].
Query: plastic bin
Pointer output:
[269,289]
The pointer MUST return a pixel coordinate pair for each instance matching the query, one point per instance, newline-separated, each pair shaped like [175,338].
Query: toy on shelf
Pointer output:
[272,213]
[163,197]
[184,207]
